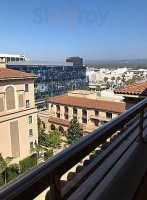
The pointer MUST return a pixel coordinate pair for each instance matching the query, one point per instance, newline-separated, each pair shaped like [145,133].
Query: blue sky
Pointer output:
[93,29]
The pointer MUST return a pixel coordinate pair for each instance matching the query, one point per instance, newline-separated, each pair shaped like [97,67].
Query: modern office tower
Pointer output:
[13,57]
[77,61]
[18,114]
[54,78]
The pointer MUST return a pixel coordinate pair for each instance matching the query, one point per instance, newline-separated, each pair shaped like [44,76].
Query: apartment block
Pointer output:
[18,114]
[85,106]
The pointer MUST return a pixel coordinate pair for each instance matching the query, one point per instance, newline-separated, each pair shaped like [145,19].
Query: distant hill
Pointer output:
[135,63]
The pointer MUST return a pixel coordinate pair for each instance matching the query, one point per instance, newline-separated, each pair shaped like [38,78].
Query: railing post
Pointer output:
[55,187]
[141,120]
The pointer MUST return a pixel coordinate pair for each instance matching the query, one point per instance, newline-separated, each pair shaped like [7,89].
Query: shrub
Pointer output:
[2,182]
[12,172]
[48,154]
[28,162]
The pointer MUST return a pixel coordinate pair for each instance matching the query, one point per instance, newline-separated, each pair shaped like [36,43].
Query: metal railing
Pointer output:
[50,173]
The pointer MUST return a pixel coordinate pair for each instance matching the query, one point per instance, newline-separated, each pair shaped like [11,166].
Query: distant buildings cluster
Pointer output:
[54,78]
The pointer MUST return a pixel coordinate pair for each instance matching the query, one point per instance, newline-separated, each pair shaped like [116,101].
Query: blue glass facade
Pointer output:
[54,80]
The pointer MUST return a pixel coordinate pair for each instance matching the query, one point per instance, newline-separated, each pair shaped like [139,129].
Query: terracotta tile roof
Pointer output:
[135,89]
[14,74]
[82,102]
[63,122]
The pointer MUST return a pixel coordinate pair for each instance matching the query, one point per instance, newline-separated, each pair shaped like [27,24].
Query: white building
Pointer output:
[13,57]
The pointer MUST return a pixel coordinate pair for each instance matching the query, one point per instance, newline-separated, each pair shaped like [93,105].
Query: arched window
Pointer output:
[53,127]
[66,109]
[61,129]
[84,112]
[58,108]
[75,111]
[10,98]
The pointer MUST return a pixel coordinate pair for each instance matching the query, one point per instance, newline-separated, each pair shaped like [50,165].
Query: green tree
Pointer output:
[118,78]
[37,149]
[4,165]
[105,79]
[108,85]
[53,139]
[98,88]
[74,132]
[113,78]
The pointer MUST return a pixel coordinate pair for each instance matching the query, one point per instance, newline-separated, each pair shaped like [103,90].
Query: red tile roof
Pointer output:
[14,74]
[134,89]
[82,102]
[63,122]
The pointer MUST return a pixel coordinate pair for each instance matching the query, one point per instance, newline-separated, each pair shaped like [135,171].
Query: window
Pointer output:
[10,98]
[108,115]
[96,113]
[30,132]
[96,122]
[30,119]
[84,121]
[26,88]
[31,145]
[66,117]
[58,115]
[75,111]
[27,104]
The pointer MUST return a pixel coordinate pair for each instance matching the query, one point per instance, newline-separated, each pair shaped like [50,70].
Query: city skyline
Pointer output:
[101,30]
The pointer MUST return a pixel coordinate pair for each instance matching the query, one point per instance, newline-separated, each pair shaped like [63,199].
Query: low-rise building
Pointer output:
[18,114]
[90,110]
[132,94]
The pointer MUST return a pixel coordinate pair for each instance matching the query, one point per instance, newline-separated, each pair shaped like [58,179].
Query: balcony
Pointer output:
[110,163]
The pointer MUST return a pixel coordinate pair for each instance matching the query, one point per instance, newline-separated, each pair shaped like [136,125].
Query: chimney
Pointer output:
[2,62]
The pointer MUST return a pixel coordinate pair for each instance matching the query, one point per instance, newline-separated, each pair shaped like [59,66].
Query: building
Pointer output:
[13,57]
[132,94]
[2,62]
[54,78]
[77,61]
[90,110]
[18,114]
[110,163]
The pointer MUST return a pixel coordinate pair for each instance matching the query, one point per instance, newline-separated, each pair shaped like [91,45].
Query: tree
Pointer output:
[37,149]
[4,165]
[118,78]
[74,132]
[53,139]
[108,85]
[105,79]
[98,88]
[113,78]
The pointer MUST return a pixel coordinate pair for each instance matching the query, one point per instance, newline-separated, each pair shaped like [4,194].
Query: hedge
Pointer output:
[2,182]
[28,163]
[48,154]
[12,172]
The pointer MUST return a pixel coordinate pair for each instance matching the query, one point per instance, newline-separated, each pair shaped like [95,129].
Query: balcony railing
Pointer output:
[103,174]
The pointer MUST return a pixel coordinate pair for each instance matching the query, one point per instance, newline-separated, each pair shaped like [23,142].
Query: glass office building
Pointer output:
[54,78]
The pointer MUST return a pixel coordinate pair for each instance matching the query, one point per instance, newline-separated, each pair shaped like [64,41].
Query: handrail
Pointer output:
[62,162]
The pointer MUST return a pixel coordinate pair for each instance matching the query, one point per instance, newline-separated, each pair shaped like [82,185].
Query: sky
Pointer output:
[93,29]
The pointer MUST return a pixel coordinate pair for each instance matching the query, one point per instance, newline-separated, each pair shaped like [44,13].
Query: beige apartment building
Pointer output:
[90,110]
[18,114]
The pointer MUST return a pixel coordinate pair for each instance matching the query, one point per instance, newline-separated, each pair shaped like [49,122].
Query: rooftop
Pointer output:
[40,63]
[62,122]
[88,103]
[134,89]
[14,74]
